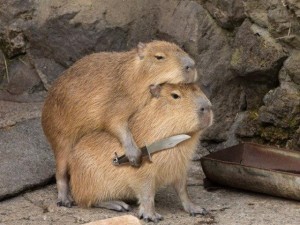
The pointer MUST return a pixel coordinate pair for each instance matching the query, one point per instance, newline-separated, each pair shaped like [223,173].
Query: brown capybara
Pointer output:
[101,91]
[95,181]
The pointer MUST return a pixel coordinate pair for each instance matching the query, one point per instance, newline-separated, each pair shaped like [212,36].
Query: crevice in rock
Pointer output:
[28,188]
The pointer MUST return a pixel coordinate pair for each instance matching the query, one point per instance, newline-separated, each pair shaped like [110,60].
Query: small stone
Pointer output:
[120,220]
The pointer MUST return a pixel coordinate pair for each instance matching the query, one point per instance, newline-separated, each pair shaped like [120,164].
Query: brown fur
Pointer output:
[101,91]
[94,179]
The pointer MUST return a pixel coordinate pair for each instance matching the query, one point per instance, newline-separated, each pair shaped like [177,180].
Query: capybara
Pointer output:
[101,91]
[95,181]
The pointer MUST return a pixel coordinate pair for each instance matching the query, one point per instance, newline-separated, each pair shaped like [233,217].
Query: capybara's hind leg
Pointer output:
[114,205]
[62,182]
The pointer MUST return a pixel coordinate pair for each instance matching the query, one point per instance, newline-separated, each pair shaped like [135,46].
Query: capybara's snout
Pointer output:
[205,111]
[189,69]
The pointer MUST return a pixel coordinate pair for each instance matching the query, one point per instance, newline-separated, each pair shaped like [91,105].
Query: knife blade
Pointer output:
[156,146]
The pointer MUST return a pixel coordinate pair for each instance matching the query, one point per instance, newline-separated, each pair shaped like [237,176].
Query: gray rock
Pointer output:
[2,67]
[277,121]
[294,5]
[26,160]
[257,11]
[12,112]
[280,113]
[293,68]
[12,41]
[47,69]
[22,77]
[256,53]
[25,97]
[228,13]
[279,18]
[248,126]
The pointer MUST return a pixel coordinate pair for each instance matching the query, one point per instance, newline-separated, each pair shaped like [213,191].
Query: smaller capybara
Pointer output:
[101,92]
[96,182]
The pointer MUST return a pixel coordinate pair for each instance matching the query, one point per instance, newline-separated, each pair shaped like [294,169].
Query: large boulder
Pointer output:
[26,159]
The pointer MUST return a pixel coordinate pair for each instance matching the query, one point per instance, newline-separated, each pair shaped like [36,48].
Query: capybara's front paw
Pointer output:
[135,157]
[150,217]
[67,201]
[194,209]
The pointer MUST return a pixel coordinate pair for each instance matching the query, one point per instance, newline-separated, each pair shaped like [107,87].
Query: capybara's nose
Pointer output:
[188,63]
[204,105]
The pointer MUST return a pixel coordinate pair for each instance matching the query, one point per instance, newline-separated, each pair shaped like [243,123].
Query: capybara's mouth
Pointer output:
[191,77]
[206,120]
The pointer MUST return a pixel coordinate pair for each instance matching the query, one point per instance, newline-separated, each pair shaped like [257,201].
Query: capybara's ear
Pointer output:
[140,49]
[155,90]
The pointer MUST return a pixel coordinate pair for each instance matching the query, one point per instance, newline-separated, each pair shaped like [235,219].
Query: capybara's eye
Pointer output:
[159,57]
[175,96]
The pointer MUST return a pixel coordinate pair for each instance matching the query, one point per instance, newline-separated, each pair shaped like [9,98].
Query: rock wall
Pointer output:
[247,52]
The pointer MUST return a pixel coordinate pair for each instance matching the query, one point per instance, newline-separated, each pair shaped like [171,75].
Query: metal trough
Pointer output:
[256,168]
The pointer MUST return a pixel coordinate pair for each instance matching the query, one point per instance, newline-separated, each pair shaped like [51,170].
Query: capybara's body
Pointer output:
[101,91]
[179,109]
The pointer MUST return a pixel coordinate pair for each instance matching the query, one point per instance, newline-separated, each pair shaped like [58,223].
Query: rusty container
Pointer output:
[257,168]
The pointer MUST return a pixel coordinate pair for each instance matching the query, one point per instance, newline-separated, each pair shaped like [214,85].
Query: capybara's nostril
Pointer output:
[205,105]
[188,63]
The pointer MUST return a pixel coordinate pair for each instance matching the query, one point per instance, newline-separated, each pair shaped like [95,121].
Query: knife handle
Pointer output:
[123,159]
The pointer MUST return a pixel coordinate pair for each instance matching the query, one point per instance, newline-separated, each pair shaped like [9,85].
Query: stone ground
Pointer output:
[226,206]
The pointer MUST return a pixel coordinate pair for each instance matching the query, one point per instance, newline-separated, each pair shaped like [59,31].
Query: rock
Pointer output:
[13,9]
[292,67]
[278,119]
[179,20]
[257,11]
[47,69]
[228,14]
[12,112]
[2,66]
[12,41]
[280,113]
[281,107]
[25,97]
[248,126]
[120,220]
[256,53]
[279,18]
[26,160]
[294,5]
[22,77]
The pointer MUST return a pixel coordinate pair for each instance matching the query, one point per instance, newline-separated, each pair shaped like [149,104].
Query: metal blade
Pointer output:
[166,143]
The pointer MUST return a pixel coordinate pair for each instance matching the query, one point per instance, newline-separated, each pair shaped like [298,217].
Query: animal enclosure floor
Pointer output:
[226,206]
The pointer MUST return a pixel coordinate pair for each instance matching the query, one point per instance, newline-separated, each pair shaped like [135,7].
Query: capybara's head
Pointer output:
[165,62]
[175,109]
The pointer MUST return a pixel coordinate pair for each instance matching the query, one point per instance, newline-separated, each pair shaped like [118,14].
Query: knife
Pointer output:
[157,146]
